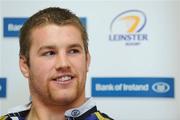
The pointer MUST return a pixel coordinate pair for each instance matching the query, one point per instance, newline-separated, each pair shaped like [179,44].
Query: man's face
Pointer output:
[58,65]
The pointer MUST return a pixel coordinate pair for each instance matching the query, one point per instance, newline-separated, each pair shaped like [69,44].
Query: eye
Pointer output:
[73,51]
[49,53]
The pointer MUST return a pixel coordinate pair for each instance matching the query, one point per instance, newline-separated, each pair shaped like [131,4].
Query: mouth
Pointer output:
[63,79]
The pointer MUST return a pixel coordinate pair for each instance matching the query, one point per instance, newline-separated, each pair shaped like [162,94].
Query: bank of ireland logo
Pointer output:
[128,27]
[161,87]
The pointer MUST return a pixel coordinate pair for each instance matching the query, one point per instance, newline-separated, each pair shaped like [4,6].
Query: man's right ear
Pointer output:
[23,64]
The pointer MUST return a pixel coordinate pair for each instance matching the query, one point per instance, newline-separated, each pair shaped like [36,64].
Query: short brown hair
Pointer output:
[51,15]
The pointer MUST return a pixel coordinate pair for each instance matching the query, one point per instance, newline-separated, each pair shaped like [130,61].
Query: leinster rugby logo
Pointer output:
[128,27]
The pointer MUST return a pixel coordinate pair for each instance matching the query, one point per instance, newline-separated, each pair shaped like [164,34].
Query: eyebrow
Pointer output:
[53,47]
[75,46]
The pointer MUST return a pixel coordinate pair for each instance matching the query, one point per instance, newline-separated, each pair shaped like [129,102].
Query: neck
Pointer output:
[41,110]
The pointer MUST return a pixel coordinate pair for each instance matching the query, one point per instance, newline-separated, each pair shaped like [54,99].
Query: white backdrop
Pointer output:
[157,57]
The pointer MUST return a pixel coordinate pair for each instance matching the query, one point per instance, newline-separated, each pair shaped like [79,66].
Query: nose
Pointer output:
[62,62]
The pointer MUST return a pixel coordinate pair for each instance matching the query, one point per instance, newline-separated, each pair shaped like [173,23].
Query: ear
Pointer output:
[88,60]
[24,66]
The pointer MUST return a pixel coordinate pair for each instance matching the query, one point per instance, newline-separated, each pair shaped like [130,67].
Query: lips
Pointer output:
[63,79]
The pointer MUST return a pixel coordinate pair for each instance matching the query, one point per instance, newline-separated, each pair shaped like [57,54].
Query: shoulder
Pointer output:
[17,113]
[15,116]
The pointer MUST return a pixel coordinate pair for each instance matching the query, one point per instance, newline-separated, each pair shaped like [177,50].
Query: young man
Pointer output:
[54,57]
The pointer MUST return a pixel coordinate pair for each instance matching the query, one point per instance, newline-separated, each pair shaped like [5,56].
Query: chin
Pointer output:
[64,99]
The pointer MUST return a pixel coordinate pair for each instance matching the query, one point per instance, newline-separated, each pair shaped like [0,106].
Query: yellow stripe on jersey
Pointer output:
[100,117]
[3,117]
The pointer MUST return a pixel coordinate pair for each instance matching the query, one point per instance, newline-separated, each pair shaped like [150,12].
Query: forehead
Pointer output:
[56,34]
[53,25]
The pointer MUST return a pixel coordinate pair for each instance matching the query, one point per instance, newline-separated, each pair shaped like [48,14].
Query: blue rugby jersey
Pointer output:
[88,111]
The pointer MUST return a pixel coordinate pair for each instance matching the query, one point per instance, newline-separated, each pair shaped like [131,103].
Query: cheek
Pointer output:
[80,65]
[40,69]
